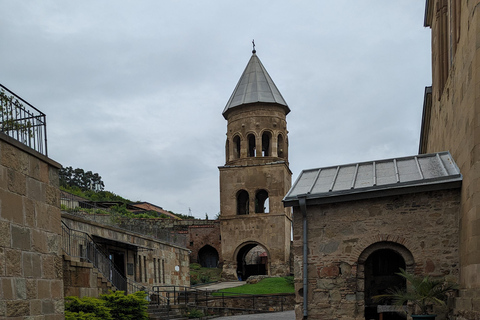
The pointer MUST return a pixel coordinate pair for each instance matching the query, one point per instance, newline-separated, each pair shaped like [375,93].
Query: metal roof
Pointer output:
[255,85]
[375,178]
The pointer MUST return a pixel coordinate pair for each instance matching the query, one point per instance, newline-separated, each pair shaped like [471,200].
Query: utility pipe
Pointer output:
[303,208]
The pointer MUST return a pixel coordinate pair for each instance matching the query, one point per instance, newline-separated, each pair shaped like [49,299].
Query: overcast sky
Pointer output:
[135,90]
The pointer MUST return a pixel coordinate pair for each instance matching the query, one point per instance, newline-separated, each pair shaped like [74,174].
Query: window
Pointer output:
[261,202]
[266,150]
[280,146]
[242,202]
[442,36]
[251,145]
[236,146]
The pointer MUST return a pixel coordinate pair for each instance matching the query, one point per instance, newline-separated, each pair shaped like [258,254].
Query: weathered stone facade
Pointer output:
[147,261]
[421,228]
[451,122]
[253,181]
[31,283]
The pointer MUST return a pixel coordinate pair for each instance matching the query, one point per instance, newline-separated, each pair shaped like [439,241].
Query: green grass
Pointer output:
[199,275]
[265,286]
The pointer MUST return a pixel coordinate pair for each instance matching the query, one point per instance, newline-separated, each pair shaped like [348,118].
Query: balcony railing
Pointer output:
[22,121]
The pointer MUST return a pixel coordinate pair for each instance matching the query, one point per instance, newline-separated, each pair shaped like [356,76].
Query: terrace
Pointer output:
[22,121]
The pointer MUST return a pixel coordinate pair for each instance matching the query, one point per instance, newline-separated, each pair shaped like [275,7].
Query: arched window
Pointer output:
[266,149]
[261,202]
[251,145]
[242,202]
[227,151]
[236,146]
[280,146]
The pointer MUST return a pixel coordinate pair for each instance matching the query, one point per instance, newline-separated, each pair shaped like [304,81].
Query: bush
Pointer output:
[194,313]
[127,307]
[87,308]
[113,306]
[204,278]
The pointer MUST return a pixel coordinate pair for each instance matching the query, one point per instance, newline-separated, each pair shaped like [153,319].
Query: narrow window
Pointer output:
[266,138]
[251,145]
[261,202]
[154,270]
[236,145]
[242,202]
[227,151]
[442,45]
[145,267]
[140,268]
[159,271]
[280,146]
[163,270]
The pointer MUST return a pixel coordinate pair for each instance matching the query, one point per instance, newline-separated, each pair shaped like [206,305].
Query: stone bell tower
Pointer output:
[255,227]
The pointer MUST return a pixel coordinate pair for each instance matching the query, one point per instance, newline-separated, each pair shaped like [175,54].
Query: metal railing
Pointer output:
[90,211]
[217,302]
[22,121]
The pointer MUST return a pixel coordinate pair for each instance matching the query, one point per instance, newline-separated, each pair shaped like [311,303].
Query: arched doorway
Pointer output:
[252,259]
[381,261]
[208,257]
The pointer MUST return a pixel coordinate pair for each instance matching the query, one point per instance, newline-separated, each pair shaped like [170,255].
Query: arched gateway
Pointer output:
[255,178]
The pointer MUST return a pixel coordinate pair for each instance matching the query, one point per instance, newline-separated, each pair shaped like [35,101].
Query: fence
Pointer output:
[22,121]
[224,303]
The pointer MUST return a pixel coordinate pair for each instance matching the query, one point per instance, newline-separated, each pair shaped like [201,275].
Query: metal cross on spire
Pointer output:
[253,42]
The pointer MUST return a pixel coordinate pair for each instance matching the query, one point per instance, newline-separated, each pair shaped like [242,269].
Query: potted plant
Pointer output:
[421,291]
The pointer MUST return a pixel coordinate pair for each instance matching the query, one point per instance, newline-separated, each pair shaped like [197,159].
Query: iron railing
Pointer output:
[71,204]
[22,121]
[217,302]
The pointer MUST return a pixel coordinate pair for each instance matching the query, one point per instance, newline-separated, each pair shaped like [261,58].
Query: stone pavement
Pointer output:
[286,315]
[220,285]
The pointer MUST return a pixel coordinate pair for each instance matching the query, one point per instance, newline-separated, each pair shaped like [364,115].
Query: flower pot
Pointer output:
[424,316]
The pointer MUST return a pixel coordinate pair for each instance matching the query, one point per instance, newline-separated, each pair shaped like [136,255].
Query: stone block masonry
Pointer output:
[31,274]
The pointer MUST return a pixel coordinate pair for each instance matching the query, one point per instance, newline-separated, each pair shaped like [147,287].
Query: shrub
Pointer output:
[113,306]
[204,278]
[87,308]
[194,313]
[127,307]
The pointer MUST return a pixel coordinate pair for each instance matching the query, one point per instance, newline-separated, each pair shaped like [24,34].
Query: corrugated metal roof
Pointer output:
[255,85]
[392,175]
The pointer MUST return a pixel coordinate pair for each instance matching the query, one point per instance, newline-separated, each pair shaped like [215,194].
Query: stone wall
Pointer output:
[453,125]
[422,228]
[82,279]
[31,285]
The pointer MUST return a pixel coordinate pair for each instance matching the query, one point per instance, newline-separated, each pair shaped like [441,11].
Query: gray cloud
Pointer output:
[135,90]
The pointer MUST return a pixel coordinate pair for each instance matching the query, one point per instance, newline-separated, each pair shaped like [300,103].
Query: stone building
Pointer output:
[352,234]
[255,178]
[99,257]
[451,122]
[355,225]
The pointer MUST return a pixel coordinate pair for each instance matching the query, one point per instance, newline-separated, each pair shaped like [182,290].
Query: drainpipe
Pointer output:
[302,199]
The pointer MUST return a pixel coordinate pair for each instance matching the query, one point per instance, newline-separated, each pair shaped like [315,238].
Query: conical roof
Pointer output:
[255,85]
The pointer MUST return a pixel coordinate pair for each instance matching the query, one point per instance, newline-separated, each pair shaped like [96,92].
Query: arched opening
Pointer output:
[252,259]
[227,151]
[242,202]
[251,145]
[381,267]
[280,146]
[261,202]
[236,147]
[266,148]
[208,257]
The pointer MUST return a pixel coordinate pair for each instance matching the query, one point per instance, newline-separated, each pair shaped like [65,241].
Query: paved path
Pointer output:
[286,315]
[221,285]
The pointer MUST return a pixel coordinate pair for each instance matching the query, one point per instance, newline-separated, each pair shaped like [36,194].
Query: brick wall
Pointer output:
[31,282]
